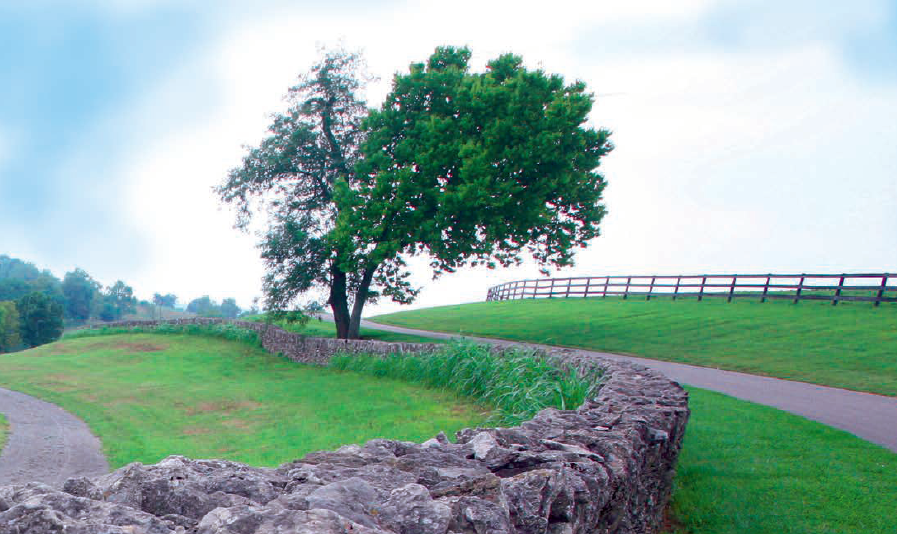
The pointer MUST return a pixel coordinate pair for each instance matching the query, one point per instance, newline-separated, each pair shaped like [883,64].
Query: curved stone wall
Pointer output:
[604,467]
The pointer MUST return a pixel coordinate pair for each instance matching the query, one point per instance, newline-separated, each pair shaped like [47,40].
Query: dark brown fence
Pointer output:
[863,287]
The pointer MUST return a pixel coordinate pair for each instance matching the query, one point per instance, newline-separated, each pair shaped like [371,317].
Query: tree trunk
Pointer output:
[339,303]
[360,297]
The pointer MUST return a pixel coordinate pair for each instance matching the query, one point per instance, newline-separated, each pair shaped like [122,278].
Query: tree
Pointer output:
[41,319]
[18,278]
[80,291]
[204,306]
[9,327]
[229,308]
[166,301]
[467,168]
[118,300]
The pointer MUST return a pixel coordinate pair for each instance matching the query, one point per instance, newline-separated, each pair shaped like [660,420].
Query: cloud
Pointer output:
[747,137]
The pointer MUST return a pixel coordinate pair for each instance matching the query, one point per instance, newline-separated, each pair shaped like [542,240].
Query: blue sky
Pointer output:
[751,135]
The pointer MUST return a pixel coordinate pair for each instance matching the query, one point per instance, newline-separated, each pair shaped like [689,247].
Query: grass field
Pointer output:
[851,346]
[751,468]
[147,396]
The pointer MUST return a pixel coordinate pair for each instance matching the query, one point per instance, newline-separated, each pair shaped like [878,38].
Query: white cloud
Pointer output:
[751,160]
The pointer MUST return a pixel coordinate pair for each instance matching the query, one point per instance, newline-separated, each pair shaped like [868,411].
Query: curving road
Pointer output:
[46,443]
[871,417]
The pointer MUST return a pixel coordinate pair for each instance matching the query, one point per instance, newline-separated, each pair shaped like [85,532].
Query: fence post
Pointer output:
[838,291]
[606,281]
[588,283]
[881,290]
[732,288]
[626,291]
[701,291]
[551,291]
[800,287]
[567,294]
[651,288]
[676,292]
[766,288]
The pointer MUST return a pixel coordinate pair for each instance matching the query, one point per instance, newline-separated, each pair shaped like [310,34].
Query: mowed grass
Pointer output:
[751,468]
[852,345]
[147,396]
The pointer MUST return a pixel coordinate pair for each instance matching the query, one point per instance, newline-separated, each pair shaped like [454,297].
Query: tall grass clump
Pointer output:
[221,331]
[518,383]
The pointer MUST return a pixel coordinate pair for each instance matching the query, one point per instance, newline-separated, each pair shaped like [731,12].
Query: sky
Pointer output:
[751,135]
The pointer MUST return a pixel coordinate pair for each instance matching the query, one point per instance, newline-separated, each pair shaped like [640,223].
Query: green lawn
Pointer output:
[852,345]
[147,396]
[750,468]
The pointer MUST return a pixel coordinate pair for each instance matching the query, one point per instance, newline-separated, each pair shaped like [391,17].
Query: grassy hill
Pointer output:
[851,346]
[147,396]
[743,467]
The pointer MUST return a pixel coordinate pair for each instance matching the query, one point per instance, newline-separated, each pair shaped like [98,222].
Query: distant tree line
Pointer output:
[207,307]
[35,305]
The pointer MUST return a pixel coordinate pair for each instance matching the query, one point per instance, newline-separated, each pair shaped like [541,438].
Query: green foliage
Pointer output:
[478,165]
[849,346]
[465,167]
[147,396]
[229,308]
[292,320]
[519,384]
[206,307]
[10,339]
[18,278]
[80,291]
[117,301]
[166,301]
[41,319]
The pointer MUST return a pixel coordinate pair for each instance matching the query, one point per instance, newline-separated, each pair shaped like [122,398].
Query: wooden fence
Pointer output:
[863,287]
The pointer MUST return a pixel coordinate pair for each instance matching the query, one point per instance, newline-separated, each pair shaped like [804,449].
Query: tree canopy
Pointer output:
[41,319]
[80,291]
[10,339]
[467,168]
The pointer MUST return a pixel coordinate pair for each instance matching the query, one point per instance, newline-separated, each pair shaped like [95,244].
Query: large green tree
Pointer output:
[41,319]
[80,290]
[9,327]
[117,300]
[166,301]
[465,167]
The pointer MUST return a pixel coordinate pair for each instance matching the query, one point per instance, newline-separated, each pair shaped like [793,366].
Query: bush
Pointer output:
[518,383]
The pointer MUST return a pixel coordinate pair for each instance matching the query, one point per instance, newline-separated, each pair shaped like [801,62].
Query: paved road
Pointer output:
[871,417]
[46,443]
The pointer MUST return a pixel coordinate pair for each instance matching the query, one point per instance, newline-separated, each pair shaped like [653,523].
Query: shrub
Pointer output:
[518,383]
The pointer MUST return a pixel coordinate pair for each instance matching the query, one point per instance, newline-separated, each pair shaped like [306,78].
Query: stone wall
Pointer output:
[606,467]
[297,347]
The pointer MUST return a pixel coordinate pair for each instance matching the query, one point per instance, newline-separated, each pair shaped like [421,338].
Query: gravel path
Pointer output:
[871,417]
[45,443]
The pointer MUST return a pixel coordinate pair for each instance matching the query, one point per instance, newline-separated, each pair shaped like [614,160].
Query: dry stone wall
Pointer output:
[606,467]
[297,347]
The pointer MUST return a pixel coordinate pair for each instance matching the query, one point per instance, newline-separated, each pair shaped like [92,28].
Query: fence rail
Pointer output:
[862,287]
